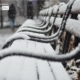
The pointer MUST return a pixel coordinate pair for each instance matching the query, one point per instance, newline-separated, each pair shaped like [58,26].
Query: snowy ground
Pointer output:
[18,21]
[5,33]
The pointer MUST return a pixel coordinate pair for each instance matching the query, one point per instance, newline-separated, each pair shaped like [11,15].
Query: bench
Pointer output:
[34,56]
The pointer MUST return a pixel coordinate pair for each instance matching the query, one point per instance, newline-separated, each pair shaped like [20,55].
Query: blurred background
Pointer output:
[22,9]
[21,13]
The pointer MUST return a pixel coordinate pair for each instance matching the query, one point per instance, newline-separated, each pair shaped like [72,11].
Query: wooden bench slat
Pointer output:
[58,74]
[58,71]
[48,48]
[29,71]
[4,67]
[31,45]
[43,66]
[14,70]
[44,70]
[18,68]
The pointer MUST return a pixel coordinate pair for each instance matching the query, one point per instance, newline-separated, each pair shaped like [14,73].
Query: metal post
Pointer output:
[1,14]
[67,39]
[1,19]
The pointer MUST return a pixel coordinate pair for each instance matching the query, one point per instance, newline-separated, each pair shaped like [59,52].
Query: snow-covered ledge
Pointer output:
[75,8]
[19,48]
[72,26]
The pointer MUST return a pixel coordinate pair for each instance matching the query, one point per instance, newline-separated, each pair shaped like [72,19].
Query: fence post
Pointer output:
[1,14]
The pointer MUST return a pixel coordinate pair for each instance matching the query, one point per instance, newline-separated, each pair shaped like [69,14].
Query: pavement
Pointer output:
[5,33]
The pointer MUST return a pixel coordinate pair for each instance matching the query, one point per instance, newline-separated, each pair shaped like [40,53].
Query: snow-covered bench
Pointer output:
[34,57]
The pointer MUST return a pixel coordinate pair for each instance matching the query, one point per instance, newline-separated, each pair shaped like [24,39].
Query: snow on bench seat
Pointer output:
[30,22]
[26,68]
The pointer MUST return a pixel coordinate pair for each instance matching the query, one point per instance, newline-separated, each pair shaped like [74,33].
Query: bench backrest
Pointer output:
[72,26]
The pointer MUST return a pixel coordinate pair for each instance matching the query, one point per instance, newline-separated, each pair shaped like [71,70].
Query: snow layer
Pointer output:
[24,68]
[75,7]
[73,26]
